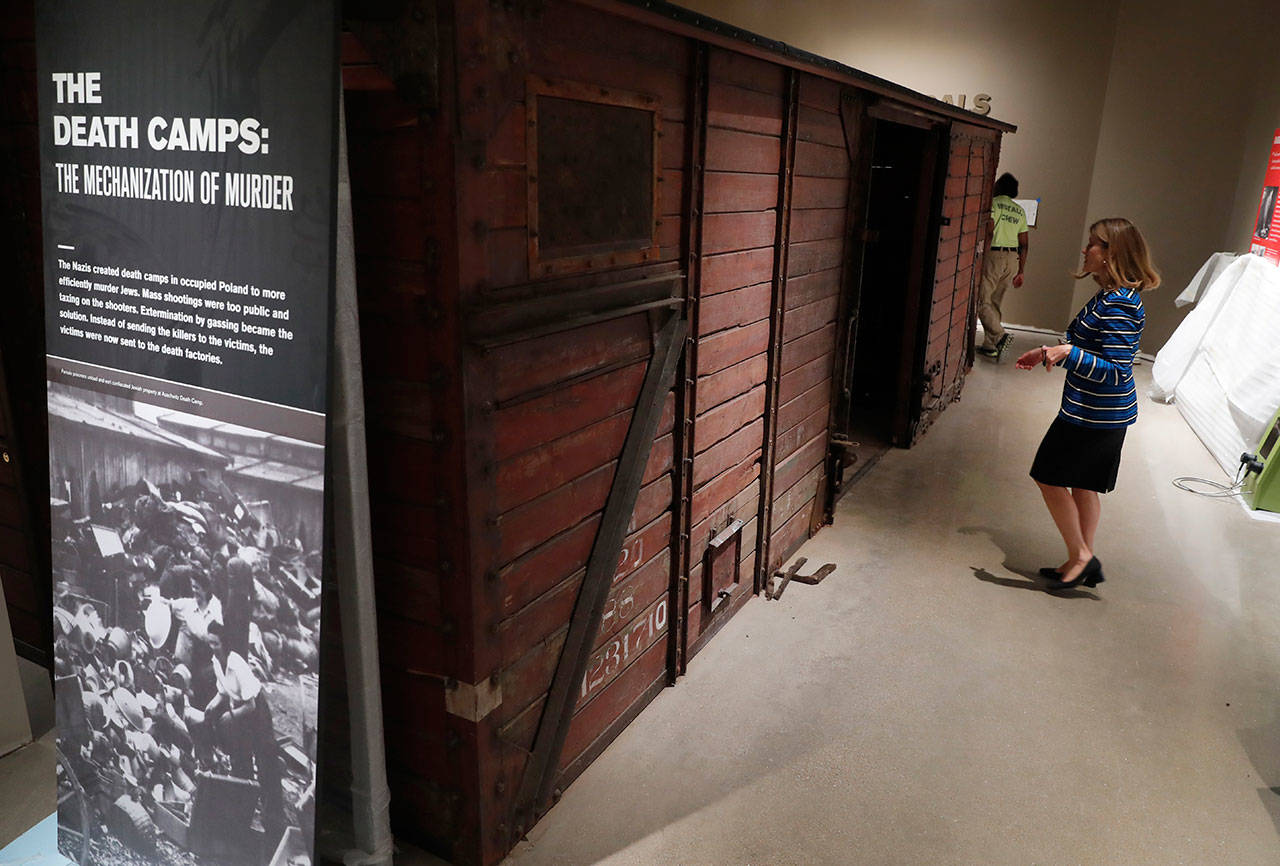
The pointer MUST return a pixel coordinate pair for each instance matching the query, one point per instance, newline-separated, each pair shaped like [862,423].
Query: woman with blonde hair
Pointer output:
[1080,454]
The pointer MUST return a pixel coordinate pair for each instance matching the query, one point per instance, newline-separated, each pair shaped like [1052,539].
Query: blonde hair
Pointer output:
[1128,261]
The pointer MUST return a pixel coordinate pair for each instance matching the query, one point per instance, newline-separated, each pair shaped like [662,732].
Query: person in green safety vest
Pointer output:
[1002,267]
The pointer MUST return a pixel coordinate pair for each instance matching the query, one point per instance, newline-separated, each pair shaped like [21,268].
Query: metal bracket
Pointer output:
[839,440]
[793,573]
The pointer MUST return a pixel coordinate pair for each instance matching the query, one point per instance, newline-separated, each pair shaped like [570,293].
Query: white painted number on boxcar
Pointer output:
[629,558]
[616,654]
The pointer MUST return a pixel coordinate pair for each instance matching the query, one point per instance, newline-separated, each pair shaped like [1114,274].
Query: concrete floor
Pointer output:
[26,788]
[928,703]
[26,776]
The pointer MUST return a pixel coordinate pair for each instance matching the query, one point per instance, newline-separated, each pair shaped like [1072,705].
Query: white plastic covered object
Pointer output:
[1209,271]
[1222,365]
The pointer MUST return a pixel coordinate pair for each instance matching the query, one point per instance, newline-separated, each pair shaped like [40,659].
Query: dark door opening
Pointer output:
[883,330]
[886,294]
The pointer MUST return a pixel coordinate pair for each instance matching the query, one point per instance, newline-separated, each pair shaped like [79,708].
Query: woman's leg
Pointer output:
[1089,506]
[1062,506]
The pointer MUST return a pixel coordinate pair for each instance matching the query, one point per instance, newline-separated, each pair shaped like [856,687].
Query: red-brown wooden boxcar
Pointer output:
[24,488]
[632,283]
[554,203]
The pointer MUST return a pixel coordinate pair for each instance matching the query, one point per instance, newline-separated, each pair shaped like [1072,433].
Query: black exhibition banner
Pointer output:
[188,176]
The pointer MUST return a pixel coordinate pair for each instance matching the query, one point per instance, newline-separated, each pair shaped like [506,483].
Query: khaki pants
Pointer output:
[998,270]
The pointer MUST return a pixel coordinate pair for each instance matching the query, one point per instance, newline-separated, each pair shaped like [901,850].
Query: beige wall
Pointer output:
[1151,109]
[1045,69]
[1174,126]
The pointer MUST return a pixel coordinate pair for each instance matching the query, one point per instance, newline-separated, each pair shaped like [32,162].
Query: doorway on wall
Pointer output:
[882,334]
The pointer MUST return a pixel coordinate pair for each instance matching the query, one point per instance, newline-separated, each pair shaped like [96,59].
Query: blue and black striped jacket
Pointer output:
[1099,390]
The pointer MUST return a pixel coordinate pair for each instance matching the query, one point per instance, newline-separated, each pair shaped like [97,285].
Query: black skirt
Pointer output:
[1075,456]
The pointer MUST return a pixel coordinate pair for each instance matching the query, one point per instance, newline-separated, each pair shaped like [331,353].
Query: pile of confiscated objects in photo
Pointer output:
[186,629]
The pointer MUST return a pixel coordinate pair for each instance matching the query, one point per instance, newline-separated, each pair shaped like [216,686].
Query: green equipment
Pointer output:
[1262,470]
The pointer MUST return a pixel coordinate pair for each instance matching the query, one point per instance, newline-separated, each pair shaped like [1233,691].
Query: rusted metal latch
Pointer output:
[845,444]
[793,573]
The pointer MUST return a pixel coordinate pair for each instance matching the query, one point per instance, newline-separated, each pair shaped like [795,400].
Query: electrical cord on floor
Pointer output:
[1216,488]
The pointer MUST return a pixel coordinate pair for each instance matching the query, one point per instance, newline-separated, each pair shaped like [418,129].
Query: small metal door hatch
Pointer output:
[721,572]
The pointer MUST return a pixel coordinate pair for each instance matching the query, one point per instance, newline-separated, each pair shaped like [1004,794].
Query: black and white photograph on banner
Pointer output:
[187,566]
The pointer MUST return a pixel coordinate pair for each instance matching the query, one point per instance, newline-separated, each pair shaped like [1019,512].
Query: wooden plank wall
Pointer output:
[814,281]
[24,480]
[491,460]
[548,415]
[971,164]
[402,209]
[564,404]
[745,109]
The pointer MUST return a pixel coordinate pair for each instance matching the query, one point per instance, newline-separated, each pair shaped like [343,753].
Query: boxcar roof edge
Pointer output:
[678,19]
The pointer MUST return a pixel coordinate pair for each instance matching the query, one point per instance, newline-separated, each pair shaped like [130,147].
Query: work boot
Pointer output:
[1003,346]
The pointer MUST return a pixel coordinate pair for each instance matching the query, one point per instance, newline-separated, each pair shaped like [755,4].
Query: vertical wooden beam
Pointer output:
[859,142]
[461,379]
[557,714]
[687,378]
[777,312]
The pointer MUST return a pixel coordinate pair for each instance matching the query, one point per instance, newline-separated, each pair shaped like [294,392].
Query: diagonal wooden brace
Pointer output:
[540,770]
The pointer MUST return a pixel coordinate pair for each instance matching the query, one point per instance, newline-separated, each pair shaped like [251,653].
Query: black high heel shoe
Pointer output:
[1051,571]
[1097,577]
[1090,576]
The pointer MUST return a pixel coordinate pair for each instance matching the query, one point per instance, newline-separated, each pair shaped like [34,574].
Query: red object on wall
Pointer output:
[1266,231]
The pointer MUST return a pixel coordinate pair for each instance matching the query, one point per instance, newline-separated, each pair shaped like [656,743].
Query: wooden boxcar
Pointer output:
[631,284]
[24,484]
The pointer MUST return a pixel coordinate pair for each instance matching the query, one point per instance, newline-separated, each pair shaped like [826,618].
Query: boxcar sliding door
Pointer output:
[972,153]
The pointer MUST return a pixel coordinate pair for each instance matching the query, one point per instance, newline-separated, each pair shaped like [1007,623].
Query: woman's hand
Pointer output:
[1055,355]
[1049,356]
[1030,358]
